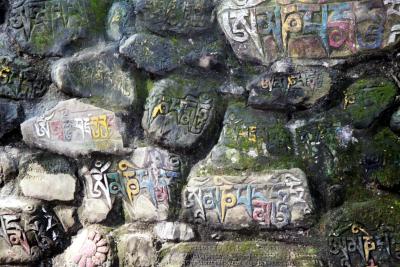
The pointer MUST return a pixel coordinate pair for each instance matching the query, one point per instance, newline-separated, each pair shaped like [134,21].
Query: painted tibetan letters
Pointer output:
[278,199]
[146,182]
[73,128]
[264,31]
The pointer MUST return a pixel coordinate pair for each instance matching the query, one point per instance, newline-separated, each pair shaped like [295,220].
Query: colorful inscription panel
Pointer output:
[143,181]
[355,245]
[275,200]
[28,229]
[265,31]
[73,128]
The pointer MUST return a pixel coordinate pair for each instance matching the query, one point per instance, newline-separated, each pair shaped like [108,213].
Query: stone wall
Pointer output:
[199,133]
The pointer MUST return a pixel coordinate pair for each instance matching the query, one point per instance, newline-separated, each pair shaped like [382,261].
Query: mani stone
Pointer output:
[90,247]
[250,140]
[48,179]
[10,115]
[121,20]
[240,253]
[276,199]
[51,27]
[28,231]
[74,128]
[66,215]
[180,17]
[148,183]
[300,88]
[98,73]
[151,53]
[366,99]
[173,231]
[180,113]
[136,249]
[20,80]
[262,31]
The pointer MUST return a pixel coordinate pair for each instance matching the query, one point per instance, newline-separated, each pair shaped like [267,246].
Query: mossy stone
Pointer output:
[366,99]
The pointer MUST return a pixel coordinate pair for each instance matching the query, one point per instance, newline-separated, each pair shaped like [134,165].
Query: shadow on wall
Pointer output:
[3,10]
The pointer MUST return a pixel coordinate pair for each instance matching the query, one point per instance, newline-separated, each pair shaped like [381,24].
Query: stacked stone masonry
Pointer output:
[199,133]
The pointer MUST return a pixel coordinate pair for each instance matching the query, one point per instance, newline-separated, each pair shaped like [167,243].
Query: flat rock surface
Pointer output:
[73,128]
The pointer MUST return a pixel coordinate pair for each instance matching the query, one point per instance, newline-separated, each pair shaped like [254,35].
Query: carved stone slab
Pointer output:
[28,231]
[147,183]
[19,80]
[264,31]
[48,26]
[73,128]
[97,72]
[273,200]
[301,87]
[179,113]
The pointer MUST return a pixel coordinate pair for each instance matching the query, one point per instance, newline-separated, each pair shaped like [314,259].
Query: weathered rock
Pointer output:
[160,55]
[327,144]
[366,99]
[90,247]
[232,89]
[10,115]
[350,223]
[273,200]
[182,17]
[180,113]
[395,121]
[66,215]
[73,128]
[98,73]
[21,78]
[136,249]
[49,178]
[251,140]
[382,158]
[243,253]
[263,32]
[150,52]
[7,165]
[298,88]
[28,231]
[50,27]
[173,231]
[153,183]
[121,20]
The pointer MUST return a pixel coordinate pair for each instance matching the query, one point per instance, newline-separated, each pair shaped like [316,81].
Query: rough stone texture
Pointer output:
[28,231]
[150,52]
[66,215]
[73,128]
[10,115]
[50,27]
[121,20]
[250,140]
[302,87]
[136,249]
[262,31]
[182,17]
[366,99]
[19,79]
[179,113]
[48,179]
[99,73]
[249,253]
[174,231]
[90,247]
[275,199]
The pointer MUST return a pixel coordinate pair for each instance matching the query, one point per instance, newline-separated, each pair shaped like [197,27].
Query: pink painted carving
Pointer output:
[93,252]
